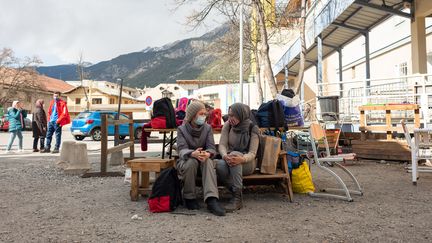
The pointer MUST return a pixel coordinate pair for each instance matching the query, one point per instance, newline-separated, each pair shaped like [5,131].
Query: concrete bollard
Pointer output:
[66,154]
[73,158]
[116,158]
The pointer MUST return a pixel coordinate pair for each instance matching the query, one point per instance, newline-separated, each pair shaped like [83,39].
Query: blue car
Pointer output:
[88,124]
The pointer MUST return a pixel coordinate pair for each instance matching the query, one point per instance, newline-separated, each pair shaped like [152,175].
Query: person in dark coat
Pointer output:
[39,125]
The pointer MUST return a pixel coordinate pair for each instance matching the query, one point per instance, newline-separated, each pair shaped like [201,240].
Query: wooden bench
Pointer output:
[143,167]
[281,174]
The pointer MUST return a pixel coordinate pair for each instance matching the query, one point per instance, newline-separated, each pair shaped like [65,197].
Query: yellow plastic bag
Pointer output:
[302,179]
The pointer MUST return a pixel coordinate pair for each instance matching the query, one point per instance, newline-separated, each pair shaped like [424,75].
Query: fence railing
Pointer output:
[413,89]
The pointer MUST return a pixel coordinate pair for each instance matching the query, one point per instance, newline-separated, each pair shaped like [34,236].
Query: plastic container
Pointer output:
[329,107]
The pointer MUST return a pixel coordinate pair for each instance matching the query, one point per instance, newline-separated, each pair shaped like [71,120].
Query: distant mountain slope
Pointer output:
[63,72]
[186,59]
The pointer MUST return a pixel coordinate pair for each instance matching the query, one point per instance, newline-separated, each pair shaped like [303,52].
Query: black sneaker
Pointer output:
[191,204]
[55,151]
[45,150]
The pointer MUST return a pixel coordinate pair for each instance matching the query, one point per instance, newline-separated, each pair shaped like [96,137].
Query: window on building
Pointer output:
[403,69]
[111,101]
[77,101]
[97,101]
[353,72]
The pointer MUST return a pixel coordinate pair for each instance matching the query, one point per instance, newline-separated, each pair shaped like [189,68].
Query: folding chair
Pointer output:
[421,148]
[317,134]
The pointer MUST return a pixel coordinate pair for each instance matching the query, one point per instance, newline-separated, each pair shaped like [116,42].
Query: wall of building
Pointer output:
[28,98]
[390,56]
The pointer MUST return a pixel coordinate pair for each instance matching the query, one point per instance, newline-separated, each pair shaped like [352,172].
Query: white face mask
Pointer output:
[200,120]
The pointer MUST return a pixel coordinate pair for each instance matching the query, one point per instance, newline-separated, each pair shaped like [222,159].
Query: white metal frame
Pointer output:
[317,133]
[411,89]
[421,148]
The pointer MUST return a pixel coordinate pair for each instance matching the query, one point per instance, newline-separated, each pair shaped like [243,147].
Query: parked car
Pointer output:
[4,123]
[88,124]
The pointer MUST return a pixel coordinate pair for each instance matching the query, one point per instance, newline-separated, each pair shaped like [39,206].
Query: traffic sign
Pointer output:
[148,100]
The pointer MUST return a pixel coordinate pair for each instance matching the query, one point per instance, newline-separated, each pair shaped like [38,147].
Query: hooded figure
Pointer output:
[39,125]
[238,146]
[196,148]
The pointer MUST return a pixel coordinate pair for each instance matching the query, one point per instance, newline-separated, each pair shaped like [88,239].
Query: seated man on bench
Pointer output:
[196,147]
[238,146]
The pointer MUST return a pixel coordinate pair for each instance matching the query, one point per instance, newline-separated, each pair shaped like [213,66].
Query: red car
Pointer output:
[4,124]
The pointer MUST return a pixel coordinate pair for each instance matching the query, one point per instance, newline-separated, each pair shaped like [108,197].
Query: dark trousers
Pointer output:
[53,127]
[42,142]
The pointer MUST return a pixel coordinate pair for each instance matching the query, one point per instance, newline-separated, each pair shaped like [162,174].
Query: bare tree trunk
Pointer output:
[264,48]
[303,47]
[258,76]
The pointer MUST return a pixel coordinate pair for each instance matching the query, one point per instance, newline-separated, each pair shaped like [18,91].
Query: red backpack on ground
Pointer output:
[215,118]
[166,192]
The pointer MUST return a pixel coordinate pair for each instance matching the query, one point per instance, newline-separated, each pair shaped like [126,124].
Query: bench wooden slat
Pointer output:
[119,147]
[257,176]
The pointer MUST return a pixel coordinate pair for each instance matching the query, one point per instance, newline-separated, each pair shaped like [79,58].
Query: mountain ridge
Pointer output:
[182,59]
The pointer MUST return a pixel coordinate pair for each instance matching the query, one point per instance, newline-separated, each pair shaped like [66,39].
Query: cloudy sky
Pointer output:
[57,31]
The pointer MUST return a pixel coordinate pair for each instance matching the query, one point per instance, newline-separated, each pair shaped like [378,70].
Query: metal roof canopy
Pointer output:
[338,23]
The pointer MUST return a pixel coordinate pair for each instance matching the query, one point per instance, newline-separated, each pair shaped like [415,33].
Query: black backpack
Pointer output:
[163,107]
[166,192]
[271,114]
[253,116]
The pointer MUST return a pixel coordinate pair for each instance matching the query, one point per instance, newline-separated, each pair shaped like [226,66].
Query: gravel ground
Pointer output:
[38,203]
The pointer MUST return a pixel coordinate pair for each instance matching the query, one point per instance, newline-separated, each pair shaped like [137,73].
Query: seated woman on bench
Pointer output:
[238,146]
[196,147]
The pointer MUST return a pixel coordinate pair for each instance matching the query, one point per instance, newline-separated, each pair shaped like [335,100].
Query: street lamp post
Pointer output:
[116,131]
[241,52]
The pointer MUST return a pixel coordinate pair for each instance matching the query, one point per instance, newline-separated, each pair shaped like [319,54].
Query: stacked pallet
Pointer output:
[389,149]
[395,150]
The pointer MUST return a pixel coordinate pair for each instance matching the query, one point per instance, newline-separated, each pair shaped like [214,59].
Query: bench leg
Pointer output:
[145,180]
[134,186]
[289,188]
[287,179]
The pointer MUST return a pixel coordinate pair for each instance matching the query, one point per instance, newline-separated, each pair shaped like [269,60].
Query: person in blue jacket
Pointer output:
[16,116]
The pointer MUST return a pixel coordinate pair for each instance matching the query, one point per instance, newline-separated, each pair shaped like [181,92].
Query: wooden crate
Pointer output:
[396,150]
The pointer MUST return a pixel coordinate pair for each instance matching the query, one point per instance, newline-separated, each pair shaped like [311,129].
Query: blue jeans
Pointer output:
[53,127]
[12,136]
